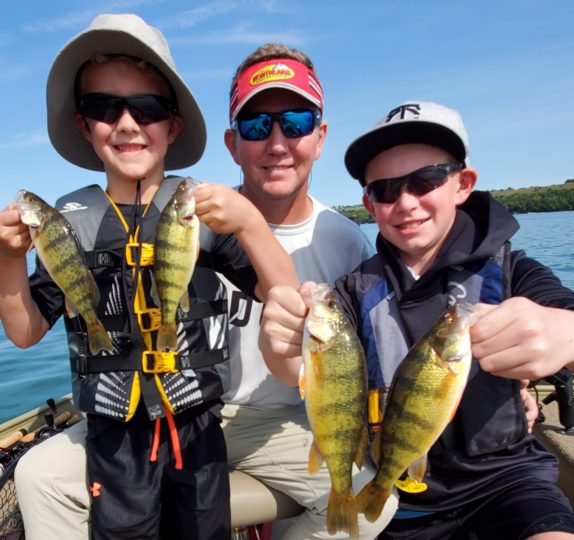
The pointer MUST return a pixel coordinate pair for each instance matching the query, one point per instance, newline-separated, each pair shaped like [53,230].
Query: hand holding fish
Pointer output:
[520,339]
[281,331]
[223,209]
[15,238]
[226,211]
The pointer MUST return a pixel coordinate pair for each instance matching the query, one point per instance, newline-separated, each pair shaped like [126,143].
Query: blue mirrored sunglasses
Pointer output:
[419,182]
[294,123]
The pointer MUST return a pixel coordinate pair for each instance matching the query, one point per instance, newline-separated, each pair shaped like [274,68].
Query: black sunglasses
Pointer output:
[144,108]
[294,123]
[419,182]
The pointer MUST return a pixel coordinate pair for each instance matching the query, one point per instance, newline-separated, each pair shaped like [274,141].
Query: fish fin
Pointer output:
[98,339]
[362,447]
[371,500]
[70,309]
[302,381]
[166,338]
[342,514]
[418,468]
[315,459]
[317,365]
[411,486]
[184,301]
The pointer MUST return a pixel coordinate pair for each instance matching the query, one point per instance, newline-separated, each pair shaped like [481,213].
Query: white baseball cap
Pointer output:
[412,122]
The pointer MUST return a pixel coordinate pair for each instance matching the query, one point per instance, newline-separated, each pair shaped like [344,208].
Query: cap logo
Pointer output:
[275,72]
[414,110]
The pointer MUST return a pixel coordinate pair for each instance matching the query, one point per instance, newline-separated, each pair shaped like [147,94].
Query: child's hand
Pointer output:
[222,208]
[520,339]
[15,238]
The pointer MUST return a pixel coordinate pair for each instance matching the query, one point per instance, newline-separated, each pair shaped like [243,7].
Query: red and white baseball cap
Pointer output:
[285,73]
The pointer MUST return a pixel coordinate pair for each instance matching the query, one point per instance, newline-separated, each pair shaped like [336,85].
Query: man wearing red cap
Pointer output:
[276,134]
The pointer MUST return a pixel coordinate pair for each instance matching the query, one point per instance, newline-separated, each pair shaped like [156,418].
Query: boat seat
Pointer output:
[252,502]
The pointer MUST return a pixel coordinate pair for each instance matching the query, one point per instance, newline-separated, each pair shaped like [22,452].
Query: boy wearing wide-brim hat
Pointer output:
[486,475]
[156,454]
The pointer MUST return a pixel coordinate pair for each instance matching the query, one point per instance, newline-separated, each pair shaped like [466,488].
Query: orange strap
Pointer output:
[174,441]
[155,443]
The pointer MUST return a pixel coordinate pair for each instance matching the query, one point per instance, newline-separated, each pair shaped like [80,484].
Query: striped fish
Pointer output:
[424,395]
[333,384]
[176,250]
[60,253]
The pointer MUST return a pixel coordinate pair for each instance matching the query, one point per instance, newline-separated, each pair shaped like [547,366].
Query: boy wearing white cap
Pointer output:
[487,477]
[156,453]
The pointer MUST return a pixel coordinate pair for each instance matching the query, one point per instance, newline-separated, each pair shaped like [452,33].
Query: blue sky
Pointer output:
[507,66]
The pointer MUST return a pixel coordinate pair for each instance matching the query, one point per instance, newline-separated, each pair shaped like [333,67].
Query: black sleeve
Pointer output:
[538,283]
[345,293]
[46,294]
[229,258]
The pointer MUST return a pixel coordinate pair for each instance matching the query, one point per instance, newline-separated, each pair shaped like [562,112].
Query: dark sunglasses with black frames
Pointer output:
[419,182]
[144,108]
[294,123]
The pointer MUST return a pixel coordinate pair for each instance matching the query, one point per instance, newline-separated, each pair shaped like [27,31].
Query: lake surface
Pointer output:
[31,376]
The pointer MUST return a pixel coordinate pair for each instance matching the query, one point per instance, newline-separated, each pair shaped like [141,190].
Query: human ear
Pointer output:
[466,182]
[175,127]
[367,203]
[83,126]
[321,141]
[230,140]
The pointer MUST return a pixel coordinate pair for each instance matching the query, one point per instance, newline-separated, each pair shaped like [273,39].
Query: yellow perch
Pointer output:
[176,250]
[424,395]
[333,384]
[60,254]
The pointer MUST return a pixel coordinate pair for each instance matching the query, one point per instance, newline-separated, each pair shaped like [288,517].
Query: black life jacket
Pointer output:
[112,384]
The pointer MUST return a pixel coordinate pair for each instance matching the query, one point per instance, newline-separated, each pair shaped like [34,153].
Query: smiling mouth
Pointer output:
[129,147]
[272,168]
[411,225]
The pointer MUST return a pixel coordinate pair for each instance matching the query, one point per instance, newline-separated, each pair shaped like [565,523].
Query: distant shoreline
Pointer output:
[554,198]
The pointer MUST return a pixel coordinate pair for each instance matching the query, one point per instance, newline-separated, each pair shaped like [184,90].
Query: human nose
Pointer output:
[126,121]
[276,142]
[406,200]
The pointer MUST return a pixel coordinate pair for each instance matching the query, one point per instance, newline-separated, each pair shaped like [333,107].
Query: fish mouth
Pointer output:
[20,199]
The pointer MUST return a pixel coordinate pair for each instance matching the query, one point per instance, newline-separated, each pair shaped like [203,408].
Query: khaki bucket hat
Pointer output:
[117,34]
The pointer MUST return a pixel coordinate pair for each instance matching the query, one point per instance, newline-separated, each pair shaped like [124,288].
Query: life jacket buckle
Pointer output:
[149,320]
[158,362]
[146,253]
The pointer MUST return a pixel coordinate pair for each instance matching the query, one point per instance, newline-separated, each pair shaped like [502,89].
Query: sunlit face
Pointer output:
[417,225]
[129,151]
[277,167]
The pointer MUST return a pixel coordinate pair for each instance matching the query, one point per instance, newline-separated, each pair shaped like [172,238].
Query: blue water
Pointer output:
[31,376]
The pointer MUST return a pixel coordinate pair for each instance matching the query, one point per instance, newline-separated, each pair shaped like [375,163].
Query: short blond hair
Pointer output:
[269,51]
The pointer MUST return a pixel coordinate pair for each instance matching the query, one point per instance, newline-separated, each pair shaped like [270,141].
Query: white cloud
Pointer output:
[20,140]
[81,19]
[244,34]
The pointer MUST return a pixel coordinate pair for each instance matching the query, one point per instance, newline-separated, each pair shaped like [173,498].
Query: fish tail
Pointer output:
[167,337]
[342,514]
[371,501]
[98,339]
